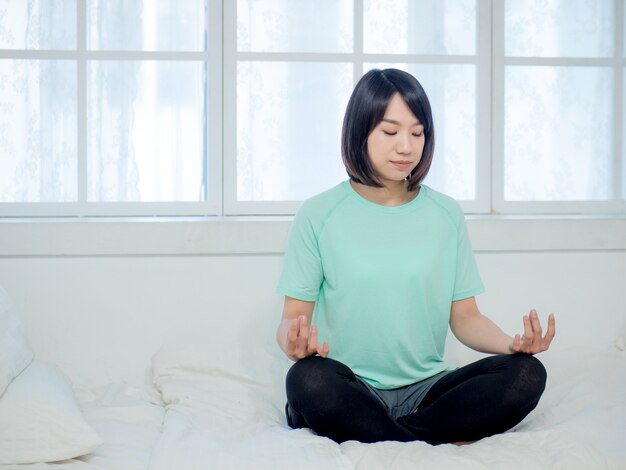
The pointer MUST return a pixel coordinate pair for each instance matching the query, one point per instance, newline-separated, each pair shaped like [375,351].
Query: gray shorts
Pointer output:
[404,400]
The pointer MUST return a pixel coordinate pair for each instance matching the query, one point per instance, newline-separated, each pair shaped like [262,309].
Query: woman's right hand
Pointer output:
[300,342]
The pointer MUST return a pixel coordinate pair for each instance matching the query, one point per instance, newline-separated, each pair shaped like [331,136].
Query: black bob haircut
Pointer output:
[366,109]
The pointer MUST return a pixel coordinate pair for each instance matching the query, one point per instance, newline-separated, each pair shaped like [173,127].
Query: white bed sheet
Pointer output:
[128,419]
[580,423]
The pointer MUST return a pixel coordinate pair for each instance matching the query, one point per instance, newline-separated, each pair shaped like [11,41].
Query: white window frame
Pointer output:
[222,57]
[212,57]
[617,205]
[481,205]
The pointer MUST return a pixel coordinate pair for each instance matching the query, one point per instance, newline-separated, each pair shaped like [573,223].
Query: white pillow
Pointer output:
[15,352]
[239,390]
[40,420]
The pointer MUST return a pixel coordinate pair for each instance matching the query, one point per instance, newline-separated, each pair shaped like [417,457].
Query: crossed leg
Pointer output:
[484,398]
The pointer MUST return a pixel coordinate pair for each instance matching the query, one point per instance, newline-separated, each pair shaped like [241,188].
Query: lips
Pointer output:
[403,165]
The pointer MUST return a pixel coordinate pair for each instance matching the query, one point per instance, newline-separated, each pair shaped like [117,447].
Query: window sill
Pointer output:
[202,236]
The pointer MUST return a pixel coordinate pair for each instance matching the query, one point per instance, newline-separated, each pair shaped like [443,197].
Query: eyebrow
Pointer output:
[391,121]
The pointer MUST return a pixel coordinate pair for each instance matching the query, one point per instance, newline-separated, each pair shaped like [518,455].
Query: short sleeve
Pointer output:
[302,267]
[467,281]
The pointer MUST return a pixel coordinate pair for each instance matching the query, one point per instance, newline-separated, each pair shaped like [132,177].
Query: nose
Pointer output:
[403,144]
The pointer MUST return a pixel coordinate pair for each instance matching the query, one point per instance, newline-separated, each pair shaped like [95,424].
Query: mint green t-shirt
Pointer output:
[382,279]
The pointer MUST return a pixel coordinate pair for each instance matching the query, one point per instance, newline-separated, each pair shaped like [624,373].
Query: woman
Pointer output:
[383,264]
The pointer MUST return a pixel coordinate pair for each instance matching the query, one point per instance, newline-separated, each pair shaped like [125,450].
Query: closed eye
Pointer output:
[389,133]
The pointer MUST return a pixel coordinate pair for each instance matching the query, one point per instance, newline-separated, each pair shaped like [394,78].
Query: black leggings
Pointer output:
[487,397]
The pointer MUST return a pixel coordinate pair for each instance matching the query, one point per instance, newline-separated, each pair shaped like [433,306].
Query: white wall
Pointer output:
[101,318]
[99,298]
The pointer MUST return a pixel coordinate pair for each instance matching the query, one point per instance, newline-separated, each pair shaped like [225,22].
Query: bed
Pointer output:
[219,404]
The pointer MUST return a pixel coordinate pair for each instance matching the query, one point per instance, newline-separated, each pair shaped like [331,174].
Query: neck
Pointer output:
[391,194]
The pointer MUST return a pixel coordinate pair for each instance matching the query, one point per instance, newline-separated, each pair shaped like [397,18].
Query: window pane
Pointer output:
[294,25]
[37,131]
[420,27]
[558,133]
[148,25]
[145,130]
[38,24]
[559,28]
[451,90]
[289,118]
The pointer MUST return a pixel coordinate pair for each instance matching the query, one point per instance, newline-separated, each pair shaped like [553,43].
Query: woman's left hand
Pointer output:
[532,341]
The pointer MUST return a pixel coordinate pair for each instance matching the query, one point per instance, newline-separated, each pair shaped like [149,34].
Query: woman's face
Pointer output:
[396,144]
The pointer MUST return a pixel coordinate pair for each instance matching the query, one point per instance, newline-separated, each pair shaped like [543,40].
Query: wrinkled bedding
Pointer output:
[224,410]
[231,418]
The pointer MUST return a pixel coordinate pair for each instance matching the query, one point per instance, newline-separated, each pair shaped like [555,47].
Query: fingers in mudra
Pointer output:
[532,340]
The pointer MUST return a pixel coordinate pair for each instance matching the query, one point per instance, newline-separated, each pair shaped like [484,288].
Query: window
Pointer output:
[105,107]
[558,69]
[294,78]
[216,107]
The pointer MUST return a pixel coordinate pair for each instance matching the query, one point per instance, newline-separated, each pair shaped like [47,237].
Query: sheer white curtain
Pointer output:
[112,88]
[37,104]
[146,125]
[289,113]
[146,119]
[558,119]
[443,28]
[145,104]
